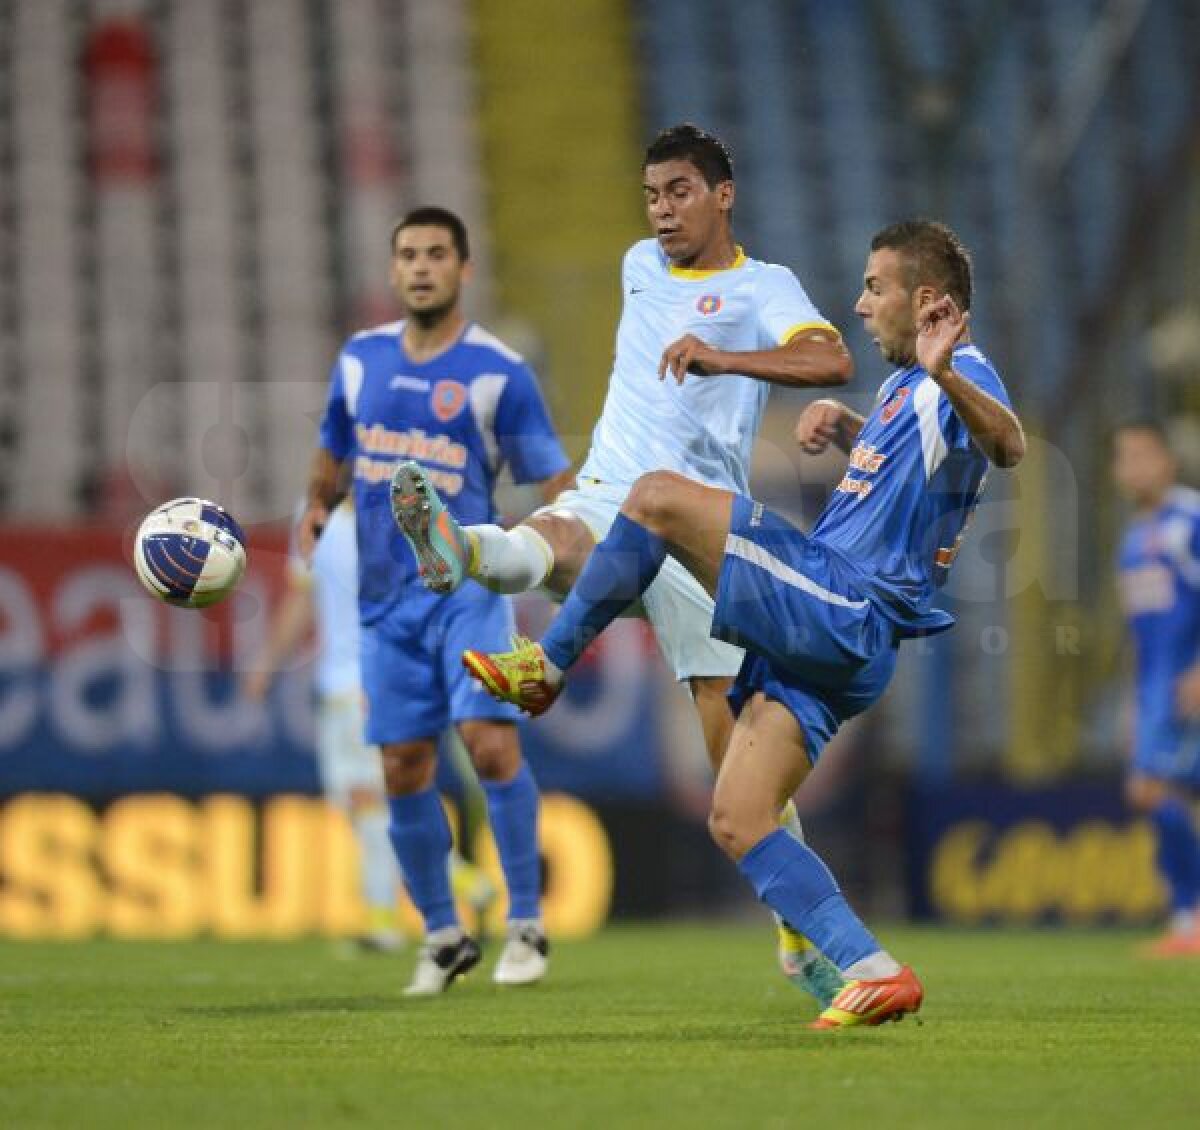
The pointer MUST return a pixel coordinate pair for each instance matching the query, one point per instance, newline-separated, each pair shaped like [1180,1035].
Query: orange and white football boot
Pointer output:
[868,1003]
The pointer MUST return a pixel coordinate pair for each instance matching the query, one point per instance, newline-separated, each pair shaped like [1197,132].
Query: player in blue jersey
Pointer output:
[350,770]
[692,297]
[1159,568]
[443,392]
[821,615]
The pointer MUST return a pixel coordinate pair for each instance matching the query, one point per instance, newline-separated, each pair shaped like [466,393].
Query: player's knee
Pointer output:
[649,502]
[1145,794]
[408,768]
[494,750]
[727,830]
[570,543]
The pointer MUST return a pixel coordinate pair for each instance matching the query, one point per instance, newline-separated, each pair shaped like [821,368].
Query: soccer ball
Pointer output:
[189,552]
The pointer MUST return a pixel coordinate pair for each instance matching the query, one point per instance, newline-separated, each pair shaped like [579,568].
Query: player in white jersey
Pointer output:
[697,306]
[350,770]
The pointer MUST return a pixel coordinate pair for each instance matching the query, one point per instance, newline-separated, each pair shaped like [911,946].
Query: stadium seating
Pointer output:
[47,378]
[207,287]
[830,109]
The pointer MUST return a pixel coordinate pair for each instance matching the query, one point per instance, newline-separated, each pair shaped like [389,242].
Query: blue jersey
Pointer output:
[914,478]
[1159,567]
[463,416]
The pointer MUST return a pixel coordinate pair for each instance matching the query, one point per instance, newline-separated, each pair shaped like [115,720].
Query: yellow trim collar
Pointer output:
[689,273]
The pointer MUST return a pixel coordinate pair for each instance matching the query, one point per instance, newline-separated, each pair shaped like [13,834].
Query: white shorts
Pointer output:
[678,608]
[345,761]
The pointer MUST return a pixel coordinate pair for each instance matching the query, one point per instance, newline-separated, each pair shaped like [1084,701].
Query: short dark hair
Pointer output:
[935,256]
[430,215]
[686,142]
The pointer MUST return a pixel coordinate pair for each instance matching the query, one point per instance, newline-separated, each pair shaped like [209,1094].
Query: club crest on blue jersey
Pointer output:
[893,406]
[708,304]
[448,399]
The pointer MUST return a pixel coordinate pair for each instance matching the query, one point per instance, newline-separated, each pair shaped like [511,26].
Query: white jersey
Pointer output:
[335,575]
[704,428]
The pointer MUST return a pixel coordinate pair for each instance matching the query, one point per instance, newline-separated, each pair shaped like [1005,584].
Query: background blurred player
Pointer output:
[350,770]
[821,615]
[448,394]
[740,318]
[1159,566]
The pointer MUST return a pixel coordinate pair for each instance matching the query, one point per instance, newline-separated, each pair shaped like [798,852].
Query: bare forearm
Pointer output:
[848,429]
[812,362]
[552,487]
[326,481]
[992,425]
[291,623]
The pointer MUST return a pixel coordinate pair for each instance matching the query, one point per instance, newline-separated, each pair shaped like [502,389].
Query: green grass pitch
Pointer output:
[655,1026]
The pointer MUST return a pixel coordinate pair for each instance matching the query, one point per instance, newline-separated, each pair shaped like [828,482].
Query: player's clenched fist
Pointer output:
[819,425]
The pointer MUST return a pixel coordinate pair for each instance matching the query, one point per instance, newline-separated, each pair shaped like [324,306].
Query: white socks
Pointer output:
[510,561]
[553,673]
[873,967]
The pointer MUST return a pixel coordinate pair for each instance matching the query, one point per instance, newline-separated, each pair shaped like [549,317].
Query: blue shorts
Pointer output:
[815,642]
[412,670]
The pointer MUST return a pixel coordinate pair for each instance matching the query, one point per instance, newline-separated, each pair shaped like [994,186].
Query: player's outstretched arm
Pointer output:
[290,624]
[814,358]
[326,488]
[993,426]
[824,422]
[552,487]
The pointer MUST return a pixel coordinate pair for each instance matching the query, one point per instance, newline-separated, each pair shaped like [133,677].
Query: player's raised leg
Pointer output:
[421,838]
[663,513]
[766,762]
[546,549]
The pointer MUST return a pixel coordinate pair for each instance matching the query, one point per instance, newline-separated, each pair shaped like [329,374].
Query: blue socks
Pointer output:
[512,812]
[791,879]
[619,570]
[421,838]
[1178,852]
[420,835]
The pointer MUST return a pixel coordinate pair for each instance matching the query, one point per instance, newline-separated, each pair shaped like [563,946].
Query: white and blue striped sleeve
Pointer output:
[337,424]
[972,364]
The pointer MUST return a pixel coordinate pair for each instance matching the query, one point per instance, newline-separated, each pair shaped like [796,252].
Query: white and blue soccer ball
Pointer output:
[189,552]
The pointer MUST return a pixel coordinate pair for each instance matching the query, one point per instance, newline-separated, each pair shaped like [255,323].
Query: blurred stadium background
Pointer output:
[195,198]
